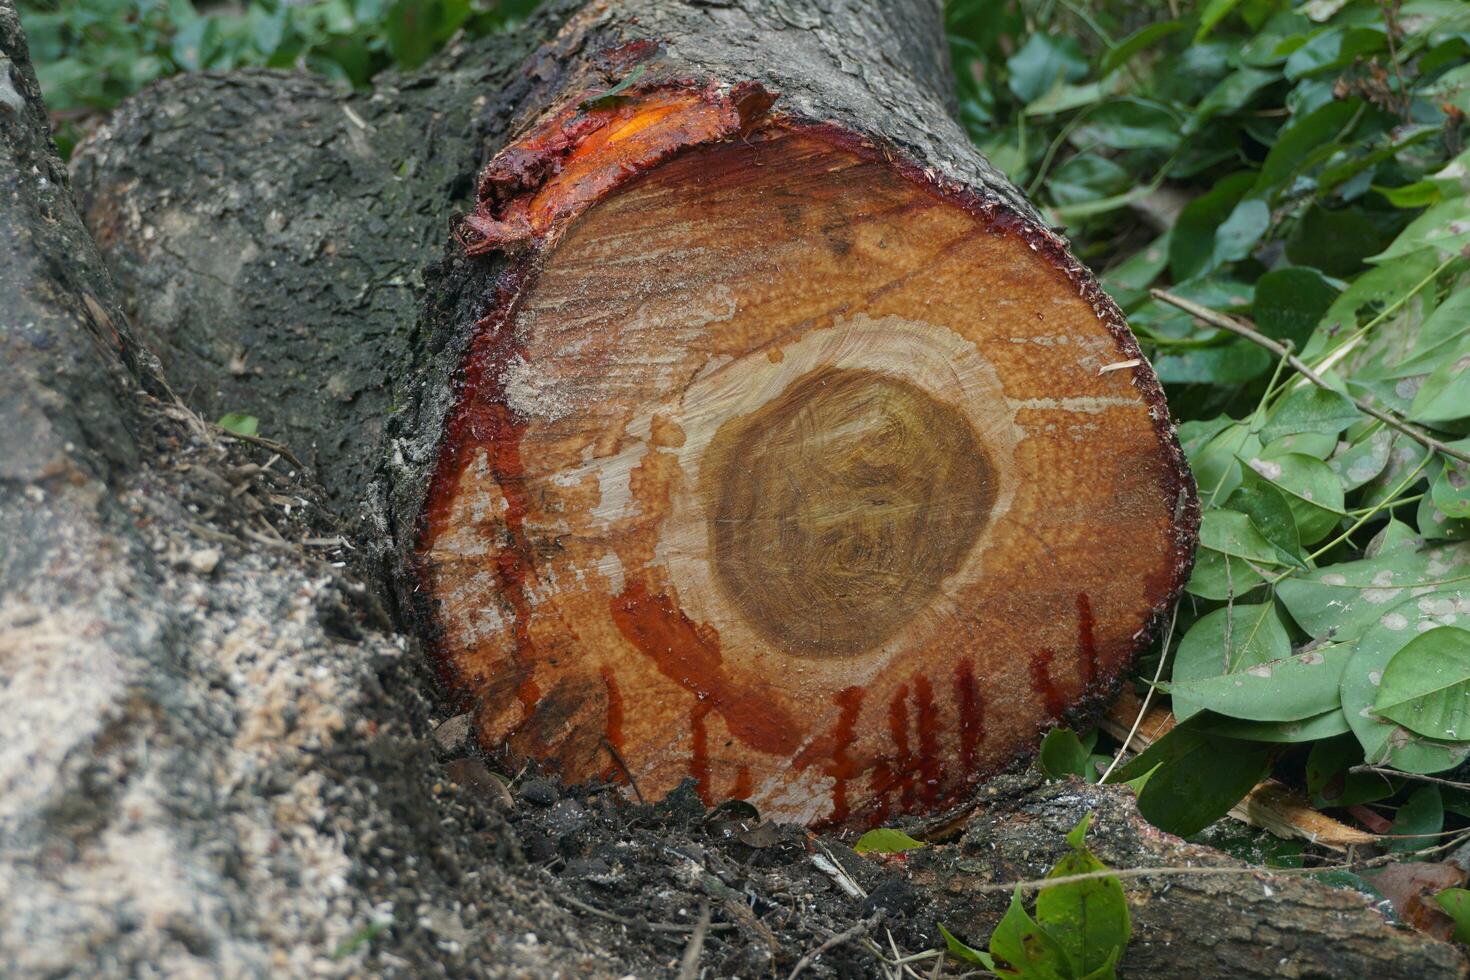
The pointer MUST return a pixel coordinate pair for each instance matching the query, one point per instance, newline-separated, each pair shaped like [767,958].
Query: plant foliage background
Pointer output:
[1300,166]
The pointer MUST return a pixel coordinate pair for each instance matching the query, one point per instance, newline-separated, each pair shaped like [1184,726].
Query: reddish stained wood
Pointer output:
[898,727]
[930,770]
[1043,684]
[849,702]
[744,783]
[483,421]
[574,157]
[699,751]
[972,714]
[613,727]
[688,653]
[1086,638]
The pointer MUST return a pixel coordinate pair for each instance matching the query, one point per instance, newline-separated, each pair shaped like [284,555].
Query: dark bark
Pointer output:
[270,234]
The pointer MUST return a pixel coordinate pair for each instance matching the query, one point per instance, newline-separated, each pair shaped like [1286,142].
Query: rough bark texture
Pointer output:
[212,761]
[1236,925]
[216,760]
[271,233]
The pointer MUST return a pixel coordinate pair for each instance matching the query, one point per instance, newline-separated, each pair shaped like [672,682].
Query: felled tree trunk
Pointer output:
[764,436]
[1211,919]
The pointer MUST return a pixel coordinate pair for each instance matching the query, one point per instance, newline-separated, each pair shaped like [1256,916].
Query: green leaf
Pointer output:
[1456,902]
[239,423]
[1332,49]
[1225,642]
[1302,142]
[1434,524]
[1310,409]
[1042,63]
[1419,194]
[1214,12]
[963,952]
[410,32]
[1330,782]
[1274,42]
[1062,754]
[1216,462]
[1270,513]
[1197,777]
[1384,741]
[1085,177]
[1443,228]
[1426,687]
[1128,281]
[1290,689]
[1233,93]
[1089,919]
[1359,460]
[1022,945]
[1234,363]
[1445,394]
[1312,729]
[1418,821]
[1221,577]
[1311,490]
[1404,458]
[1135,43]
[1193,247]
[1378,288]
[1231,549]
[1450,490]
[1130,124]
[1334,241]
[1289,303]
[1343,601]
[885,840]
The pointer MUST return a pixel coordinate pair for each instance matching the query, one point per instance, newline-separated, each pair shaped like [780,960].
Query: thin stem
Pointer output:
[1403,485]
[1147,697]
[1387,505]
[1417,777]
[1209,316]
[1037,884]
[1339,352]
[1051,151]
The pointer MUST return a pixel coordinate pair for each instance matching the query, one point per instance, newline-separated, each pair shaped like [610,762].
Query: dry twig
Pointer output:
[847,935]
[1218,320]
[689,965]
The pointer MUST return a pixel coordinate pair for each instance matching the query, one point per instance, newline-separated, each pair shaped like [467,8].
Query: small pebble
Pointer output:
[453,735]
[565,818]
[205,560]
[542,792]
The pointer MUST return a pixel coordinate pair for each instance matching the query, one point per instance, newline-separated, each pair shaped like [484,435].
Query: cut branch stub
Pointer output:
[783,465]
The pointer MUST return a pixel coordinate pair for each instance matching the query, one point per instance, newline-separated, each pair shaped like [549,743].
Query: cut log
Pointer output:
[764,437]
[787,457]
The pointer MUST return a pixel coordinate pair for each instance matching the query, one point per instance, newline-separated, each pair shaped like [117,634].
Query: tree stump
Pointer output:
[792,453]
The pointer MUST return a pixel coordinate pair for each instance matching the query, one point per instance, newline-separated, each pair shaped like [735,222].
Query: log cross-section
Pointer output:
[793,455]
